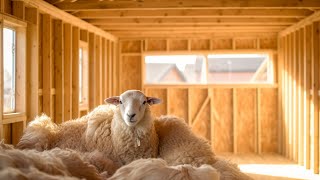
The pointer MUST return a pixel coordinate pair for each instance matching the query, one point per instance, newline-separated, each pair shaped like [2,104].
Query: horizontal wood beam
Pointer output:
[314,17]
[59,14]
[286,21]
[175,13]
[167,4]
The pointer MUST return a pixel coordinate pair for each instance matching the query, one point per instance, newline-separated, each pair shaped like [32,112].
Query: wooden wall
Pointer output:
[299,91]
[234,118]
[52,58]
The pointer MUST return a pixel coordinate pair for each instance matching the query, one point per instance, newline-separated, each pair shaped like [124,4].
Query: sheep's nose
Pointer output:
[131,116]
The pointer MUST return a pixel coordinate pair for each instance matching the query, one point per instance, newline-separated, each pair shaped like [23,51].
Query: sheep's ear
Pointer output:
[113,100]
[153,100]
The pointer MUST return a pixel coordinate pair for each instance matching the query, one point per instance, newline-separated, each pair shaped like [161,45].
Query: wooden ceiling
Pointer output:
[147,18]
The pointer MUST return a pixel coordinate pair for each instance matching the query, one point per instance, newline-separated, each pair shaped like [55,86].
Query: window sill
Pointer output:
[14,118]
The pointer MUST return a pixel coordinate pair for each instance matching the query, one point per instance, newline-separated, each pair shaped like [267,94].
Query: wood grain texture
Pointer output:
[156,45]
[130,46]
[130,76]
[200,44]
[221,44]
[223,131]
[178,99]
[268,120]
[268,43]
[246,43]
[178,44]
[158,109]
[246,120]
[196,99]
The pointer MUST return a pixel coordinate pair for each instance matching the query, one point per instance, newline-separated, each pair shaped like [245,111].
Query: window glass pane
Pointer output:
[9,69]
[80,74]
[238,68]
[175,69]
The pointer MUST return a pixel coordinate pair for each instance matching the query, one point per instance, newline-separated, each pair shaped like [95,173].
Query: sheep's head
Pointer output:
[132,104]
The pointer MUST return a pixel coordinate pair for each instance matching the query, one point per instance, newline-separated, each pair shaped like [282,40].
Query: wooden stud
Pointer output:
[109,54]
[307,97]
[67,68]
[315,99]
[32,63]
[97,69]
[103,71]
[235,132]
[92,41]
[47,65]
[75,72]
[59,71]
[258,145]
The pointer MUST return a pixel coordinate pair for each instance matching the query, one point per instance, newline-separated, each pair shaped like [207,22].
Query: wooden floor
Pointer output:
[269,167]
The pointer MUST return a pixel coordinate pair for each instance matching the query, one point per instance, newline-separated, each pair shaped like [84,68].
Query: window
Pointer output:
[175,69]
[9,60]
[83,73]
[208,69]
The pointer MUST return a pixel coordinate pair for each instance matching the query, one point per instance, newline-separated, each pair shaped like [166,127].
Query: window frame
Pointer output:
[20,27]
[272,81]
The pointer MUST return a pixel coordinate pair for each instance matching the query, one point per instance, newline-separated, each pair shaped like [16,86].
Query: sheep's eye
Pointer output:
[144,102]
[120,102]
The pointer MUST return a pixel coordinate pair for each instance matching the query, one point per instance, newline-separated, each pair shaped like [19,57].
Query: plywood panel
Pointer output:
[17,131]
[158,109]
[178,102]
[7,133]
[200,44]
[268,117]
[178,44]
[223,122]
[130,73]
[246,43]
[246,120]
[221,44]
[268,43]
[156,45]
[202,126]
[131,46]
[197,97]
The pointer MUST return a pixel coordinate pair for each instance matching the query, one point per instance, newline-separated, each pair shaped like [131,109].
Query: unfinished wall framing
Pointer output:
[52,64]
[219,113]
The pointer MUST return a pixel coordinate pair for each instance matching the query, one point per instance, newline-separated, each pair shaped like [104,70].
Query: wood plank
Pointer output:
[97,70]
[301,100]
[17,132]
[195,21]
[307,96]
[18,9]
[200,44]
[315,98]
[92,55]
[67,68]
[156,45]
[202,124]
[179,97]
[103,71]
[178,44]
[131,46]
[268,116]
[191,13]
[110,68]
[245,120]
[85,6]
[285,90]
[290,94]
[295,112]
[159,109]
[223,122]
[196,98]
[75,72]
[59,71]
[131,73]
[84,35]
[59,14]
[47,63]
[32,63]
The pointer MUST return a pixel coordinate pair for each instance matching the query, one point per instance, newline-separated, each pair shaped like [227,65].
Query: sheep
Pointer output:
[123,130]
[157,169]
[179,145]
[51,164]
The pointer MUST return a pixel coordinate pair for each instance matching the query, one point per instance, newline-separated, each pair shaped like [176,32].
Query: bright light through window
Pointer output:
[9,55]
[215,69]
[177,69]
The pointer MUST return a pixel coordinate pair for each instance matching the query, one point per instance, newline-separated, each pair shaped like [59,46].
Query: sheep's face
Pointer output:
[132,104]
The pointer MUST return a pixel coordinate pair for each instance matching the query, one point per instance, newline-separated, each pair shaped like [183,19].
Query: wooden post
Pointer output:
[32,63]
[234,101]
[97,77]
[307,87]
[67,43]
[47,65]
[103,71]
[91,90]
[315,97]
[75,72]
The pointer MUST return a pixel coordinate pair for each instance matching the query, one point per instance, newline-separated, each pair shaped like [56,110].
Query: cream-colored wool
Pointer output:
[157,169]
[16,163]
[104,129]
[179,145]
